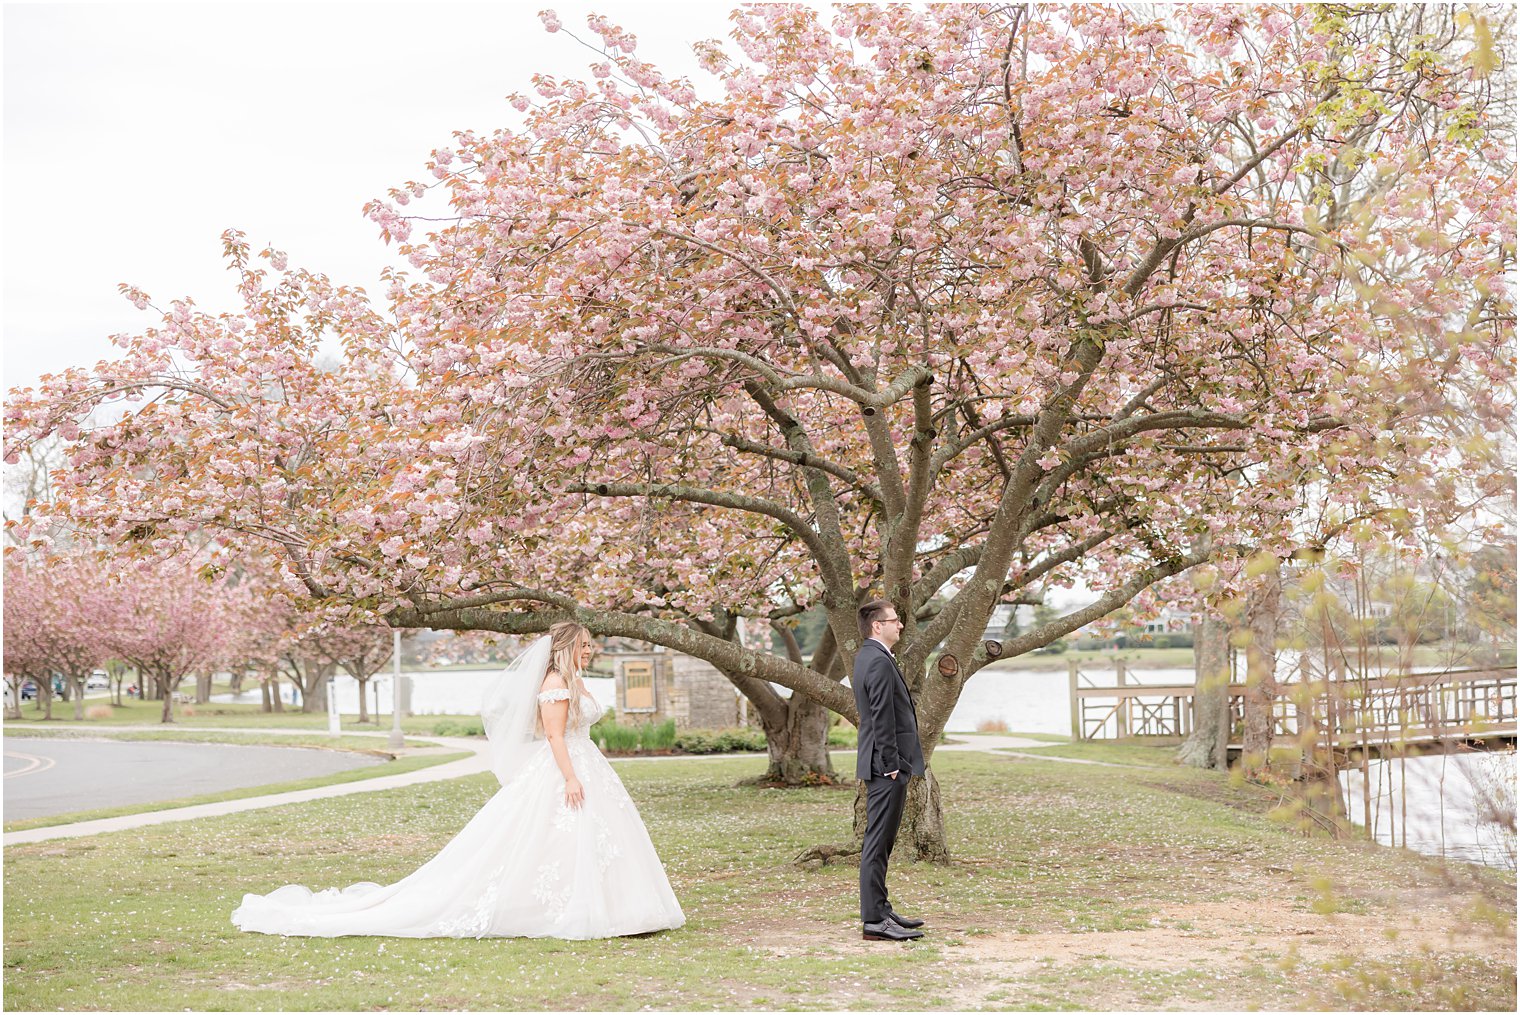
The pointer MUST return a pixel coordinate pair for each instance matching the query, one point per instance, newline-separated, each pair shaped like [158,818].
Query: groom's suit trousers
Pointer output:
[884,808]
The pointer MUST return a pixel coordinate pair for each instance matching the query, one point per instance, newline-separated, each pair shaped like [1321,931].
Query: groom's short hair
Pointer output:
[870,613]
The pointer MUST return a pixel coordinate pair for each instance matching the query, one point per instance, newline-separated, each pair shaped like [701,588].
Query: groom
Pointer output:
[888,753]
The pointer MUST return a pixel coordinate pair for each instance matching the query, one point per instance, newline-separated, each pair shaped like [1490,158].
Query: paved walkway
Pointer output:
[59,775]
[473,765]
[999,742]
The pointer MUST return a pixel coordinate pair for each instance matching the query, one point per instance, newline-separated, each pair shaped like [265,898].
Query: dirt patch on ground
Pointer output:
[1235,935]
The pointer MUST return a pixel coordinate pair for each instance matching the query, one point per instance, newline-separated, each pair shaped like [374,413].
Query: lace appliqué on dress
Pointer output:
[554,694]
[474,923]
[550,892]
[565,817]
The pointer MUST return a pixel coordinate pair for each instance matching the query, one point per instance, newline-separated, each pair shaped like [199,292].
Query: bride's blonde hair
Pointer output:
[565,641]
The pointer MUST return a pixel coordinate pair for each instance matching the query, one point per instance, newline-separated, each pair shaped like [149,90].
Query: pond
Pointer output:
[1458,805]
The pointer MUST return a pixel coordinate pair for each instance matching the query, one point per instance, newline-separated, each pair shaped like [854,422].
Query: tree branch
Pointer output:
[725,655]
[715,498]
[1116,598]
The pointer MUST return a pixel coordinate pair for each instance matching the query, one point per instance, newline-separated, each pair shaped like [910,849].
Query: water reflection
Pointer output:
[1455,804]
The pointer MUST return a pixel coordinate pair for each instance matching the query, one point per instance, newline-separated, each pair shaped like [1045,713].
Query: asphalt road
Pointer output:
[45,777]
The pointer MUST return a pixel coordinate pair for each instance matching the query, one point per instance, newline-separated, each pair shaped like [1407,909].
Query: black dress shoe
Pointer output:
[904,921]
[887,930]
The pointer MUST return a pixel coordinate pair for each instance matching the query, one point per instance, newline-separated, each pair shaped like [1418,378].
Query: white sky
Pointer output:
[134,134]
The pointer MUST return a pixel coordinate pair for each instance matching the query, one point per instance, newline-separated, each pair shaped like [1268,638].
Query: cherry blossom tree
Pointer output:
[174,623]
[286,638]
[61,618]
[953,306]
[361,651]
[26,655]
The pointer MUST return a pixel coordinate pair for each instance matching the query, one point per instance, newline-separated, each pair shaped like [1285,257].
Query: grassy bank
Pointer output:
[1073,886]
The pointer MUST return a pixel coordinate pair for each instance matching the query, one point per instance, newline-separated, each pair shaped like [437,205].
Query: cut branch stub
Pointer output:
[994,649]
[948,665]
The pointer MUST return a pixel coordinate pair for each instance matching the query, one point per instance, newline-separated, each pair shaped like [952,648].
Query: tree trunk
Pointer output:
[13,707]
[363,704]
[76,685]
[264,703]
[798,745]
[920,837]
[314,698]
[166,688]
[45,697]
[1263,608]
[203,688]
[274,692]
[796,728]
[1207,745]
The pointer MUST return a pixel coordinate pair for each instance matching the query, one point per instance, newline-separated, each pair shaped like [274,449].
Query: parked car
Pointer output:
[28,691]
[97,680]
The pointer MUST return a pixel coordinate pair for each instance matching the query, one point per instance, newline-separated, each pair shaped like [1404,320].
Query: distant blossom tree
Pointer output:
[62,618]
[174,624]
[950,305]
[26,655]
[359,650]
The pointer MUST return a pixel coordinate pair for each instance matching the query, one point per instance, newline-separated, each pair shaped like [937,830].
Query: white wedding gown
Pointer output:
[527,865]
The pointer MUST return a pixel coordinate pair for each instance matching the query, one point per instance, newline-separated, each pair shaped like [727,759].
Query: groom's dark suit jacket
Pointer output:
[888,731]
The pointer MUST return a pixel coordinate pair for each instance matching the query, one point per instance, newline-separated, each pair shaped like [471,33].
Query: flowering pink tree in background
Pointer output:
[359,650]
[174,623]
[280,640]
[61,618]
[452,647]
[953,306]
[26,655]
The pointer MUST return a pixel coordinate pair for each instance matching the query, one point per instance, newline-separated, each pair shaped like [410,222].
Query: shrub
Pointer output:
[454,728]
[98,712]
[992,726]
[720,741]
[842,735]
[657,737]
[616,738]
[696,742]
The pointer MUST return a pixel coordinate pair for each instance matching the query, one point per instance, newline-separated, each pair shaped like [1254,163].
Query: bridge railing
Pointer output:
[1350,710]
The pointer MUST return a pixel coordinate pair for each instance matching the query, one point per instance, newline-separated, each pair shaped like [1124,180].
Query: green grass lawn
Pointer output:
[147,713]
[1071,887]
[1161,754]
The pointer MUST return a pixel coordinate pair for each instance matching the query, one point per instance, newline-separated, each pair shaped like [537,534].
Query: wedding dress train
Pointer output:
[527,865]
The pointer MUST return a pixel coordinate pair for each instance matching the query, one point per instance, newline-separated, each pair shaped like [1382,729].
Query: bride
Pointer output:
[559,851]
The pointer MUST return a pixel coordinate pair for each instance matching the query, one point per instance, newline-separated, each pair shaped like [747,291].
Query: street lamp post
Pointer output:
[334,721]
[396,741]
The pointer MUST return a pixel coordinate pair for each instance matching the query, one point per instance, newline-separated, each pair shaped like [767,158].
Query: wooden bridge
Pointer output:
[1348,712]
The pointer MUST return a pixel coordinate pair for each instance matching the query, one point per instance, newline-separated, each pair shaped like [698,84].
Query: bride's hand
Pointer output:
[574,794]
